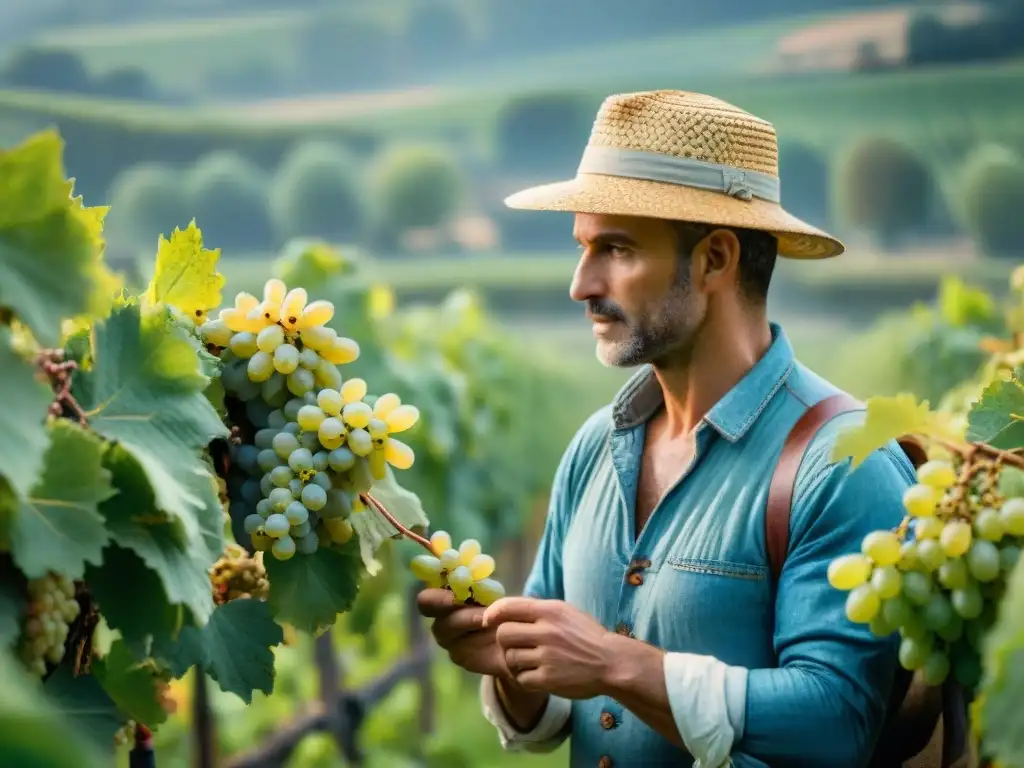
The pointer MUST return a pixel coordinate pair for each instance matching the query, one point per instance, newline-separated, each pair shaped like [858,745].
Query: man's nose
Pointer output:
[587,282]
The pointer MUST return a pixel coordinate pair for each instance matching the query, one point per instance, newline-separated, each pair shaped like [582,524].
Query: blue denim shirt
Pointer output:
[803,685]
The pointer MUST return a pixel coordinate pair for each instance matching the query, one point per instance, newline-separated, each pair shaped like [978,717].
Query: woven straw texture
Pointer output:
[689,125]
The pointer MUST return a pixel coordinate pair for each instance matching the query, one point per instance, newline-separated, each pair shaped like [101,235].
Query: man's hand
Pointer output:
[550,646]
[459,629]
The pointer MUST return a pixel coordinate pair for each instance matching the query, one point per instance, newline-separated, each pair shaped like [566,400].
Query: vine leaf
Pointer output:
[11,607]
[186,274]
[25,438]
[58,527]
[82,701]
[180,560]
[373,529]
[309,591]
[888,418]
[234,648]
[130,684]
[47,252]
[145,392]
[997,418]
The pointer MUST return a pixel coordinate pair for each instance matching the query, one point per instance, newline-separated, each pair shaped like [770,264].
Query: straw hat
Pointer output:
[685,156]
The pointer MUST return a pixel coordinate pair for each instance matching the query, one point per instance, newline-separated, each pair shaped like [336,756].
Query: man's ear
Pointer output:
[717,258]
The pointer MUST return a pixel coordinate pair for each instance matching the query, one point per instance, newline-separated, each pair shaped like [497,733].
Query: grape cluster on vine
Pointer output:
[938,578]
[465,571]
[320,442]
[51,610]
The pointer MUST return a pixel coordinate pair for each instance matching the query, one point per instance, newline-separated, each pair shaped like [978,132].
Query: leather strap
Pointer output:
[780,492]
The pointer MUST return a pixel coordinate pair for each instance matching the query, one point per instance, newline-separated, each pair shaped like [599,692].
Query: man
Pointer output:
[651,632]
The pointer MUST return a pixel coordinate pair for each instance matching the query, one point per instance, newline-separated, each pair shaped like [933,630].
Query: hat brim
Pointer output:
[620,196]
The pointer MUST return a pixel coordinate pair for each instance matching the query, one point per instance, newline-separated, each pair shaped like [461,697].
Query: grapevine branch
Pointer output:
[1013,458]
[58,370]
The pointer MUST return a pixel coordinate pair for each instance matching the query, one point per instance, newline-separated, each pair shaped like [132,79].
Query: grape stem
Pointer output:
[1012,458]
[370,501]
[58,371]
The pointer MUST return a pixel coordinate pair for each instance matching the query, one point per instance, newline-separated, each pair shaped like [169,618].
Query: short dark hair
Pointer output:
[758,253]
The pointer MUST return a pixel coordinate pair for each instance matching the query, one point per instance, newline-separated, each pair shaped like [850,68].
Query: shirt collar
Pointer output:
[641,396]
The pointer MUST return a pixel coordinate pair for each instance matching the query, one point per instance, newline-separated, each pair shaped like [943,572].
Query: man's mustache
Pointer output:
[604,308]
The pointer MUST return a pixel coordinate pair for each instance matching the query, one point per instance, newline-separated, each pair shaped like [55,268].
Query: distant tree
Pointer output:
[146,200]
[436,34]
[804,178]
[230,200]
[543,133]
[993,198]
[126,83]
[49,70]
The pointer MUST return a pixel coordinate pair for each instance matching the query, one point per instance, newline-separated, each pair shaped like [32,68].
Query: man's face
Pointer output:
[636,288]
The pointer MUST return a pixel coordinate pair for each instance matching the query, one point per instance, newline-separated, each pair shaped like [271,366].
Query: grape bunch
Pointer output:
[51,609]
[465,571]
[938,577]
[319,442]
[237,576]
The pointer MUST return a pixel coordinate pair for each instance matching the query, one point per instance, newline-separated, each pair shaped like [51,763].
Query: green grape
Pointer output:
[967,668]
[426,568]
[937,612]
[300,381]
[274,391]
[1012,515]
[308,358]
[487,591]
[260,367]
[983,561]
[257,412]
[952,630]
[250,491]
[886,581]
[284,547]
[862,604]
[295,486]
[956,537]
[310,441]
[243,345]
[928,528]
[897,611]
[270,338]
[331,433]
[296,513]
[357,415]
[449,559]
[264,438]
[252,523]
[277,420]
[286,359]
[935,669]
[309,544]
[339,504]
[330,401]
[914,653]
[882,546]
[276,526]
[917,587]
[268,458]
[341,459]
[322,479]
[1009,554]
[914,627]
[263,509]
[216,333]
[930,554]
[285,443]
[908,556]
[314,497]
[378,430]
[292,407]
[460,580]
[321,460]
[362,476]
[920,500]
[311,417]
[989,525]
[953,573]
[327,375]
[280,498]
[266,485]
[292,428]
[967,601]
[880,627]
[281,476]
[359,442]
[937,474]
[301,460]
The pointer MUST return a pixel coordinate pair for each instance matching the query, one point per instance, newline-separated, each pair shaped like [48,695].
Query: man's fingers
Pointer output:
[521,659]
[435,603]
[458,623]
[524,609]
[514,634]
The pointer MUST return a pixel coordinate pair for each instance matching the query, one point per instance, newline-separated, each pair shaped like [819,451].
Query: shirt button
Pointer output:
[607,720]
[635,578]
[622,629]
[604,762]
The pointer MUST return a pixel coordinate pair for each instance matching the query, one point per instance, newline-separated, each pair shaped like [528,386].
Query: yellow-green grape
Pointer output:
[882,546]
[260,367]
[936,668]
[385,404]
[291,308]
[449,559]
[310,417]
[327,375]
[341,459]
[928,528]
[936,474]
[339,528]
[956,537]
[487,591]
[286,358]
[931,554]
[330,401]
[353,390]
[216,332]
[261,542]
[270,338]
[426,568]
[357,415]
[469,549]
[398,454]
[402,418]
[378,464]
[318,339]
[862,604]
[308,358]
[886,581]
[283,548]
[274,290]
[243,344]
[1012,516]
[359,442]
[378,432]
[460,580]
[849,571]
[316,313]
[989,525]
[284,443]
[983,561]
[331,433]
[481,567]
[341,351]
[908,556]
[920,500]
[440,542]
[953,574]
[277,524]
[300,381]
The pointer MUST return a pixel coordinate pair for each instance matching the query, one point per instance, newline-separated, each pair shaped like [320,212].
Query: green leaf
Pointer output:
[82,701]
[131,685]
[58,527]
[23,430]
[234,648]
[309,591]
[145,392]
[180,558]
[1001,696]
[48,253]
[998,417]
[35,733]
[12,606]
[373,529]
